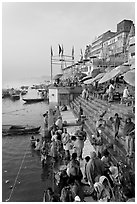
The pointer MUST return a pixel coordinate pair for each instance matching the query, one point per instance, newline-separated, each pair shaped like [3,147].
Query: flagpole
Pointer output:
[51,71]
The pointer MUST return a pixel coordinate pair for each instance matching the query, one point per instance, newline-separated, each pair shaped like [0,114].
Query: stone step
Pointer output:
[107,134]
[114,154]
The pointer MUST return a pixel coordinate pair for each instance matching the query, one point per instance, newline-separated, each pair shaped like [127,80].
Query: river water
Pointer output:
[23,179]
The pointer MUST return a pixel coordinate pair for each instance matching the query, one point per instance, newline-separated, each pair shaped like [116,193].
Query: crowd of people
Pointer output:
[95,175]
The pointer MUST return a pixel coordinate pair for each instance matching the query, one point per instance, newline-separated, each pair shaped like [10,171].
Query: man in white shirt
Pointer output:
[126,94]
[111,92]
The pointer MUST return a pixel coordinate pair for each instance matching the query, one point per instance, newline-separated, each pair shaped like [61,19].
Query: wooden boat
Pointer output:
[19,129]
[33,100]
[15,96]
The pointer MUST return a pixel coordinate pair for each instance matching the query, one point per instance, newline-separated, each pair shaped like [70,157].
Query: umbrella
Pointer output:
[108,69]
[86,78]
[129,77]
[89,81]
[99,76]
[114,72]
[58,76]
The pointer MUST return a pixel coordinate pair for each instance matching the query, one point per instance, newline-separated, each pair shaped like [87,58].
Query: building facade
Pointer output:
[114,48]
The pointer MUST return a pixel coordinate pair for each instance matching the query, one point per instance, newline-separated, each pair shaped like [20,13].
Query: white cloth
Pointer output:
[66,141]
[111,88]
[125,93]
[59,123]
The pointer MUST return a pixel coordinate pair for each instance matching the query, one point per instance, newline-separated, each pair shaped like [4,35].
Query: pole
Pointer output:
[51,69]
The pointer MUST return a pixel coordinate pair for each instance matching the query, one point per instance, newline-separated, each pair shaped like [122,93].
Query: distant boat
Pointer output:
[15,96]
[24,87]
[33,100]
[19,129]
[5,93]
[23,92]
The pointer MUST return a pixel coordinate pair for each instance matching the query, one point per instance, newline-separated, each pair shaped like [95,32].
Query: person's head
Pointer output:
[87,158]
[73,138]
[77,199]
[74,155]
[32,137]
[128,120]
[116,114]
[38,140]
[104,181]
[126,87]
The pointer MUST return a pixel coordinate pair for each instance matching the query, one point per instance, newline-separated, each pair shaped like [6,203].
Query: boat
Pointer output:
[15,96]
[24,87]
[33,100]
[5,93]
[19,129]
[23,92]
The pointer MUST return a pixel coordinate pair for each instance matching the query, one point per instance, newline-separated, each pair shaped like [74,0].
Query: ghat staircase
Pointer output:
[93,108]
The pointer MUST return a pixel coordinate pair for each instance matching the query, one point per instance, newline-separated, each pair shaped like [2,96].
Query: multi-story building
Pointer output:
[131,46]
[114,48]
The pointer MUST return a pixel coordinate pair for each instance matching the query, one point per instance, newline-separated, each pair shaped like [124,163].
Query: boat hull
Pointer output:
[19,130]
[33,100]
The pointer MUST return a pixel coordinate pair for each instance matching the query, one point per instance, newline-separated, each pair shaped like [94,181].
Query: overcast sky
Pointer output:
[29,29]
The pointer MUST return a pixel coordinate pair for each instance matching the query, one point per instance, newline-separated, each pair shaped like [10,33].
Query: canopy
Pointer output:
[115,72]
[99,76]
[108,69]
[129,77]
[86,78]
[58,76]
[89,81]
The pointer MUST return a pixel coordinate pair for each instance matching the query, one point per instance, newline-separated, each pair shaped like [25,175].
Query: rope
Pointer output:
[17,175]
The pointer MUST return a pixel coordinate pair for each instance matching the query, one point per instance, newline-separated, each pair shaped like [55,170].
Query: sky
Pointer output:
[29,29]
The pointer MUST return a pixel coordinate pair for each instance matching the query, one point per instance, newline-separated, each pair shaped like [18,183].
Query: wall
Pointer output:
[53,95]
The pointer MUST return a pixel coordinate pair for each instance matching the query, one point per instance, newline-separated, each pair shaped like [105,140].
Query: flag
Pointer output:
[60,50]
[81,54]
[73,53]
[51,52]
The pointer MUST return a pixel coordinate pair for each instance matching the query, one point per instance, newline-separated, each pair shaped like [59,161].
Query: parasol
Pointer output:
[99,76]
[115,72]
[58,76]
[129,77]
[86,78]
[89,81]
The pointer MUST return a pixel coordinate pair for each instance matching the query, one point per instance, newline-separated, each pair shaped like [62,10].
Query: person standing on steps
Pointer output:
[80,113]
[66,143]
[116,125]
[129,128]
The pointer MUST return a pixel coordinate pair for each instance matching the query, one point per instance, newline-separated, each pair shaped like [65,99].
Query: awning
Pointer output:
[129,77]
[115,72]
[108,69]
[89,81]
[58,76]
[99,76]
[86,78]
